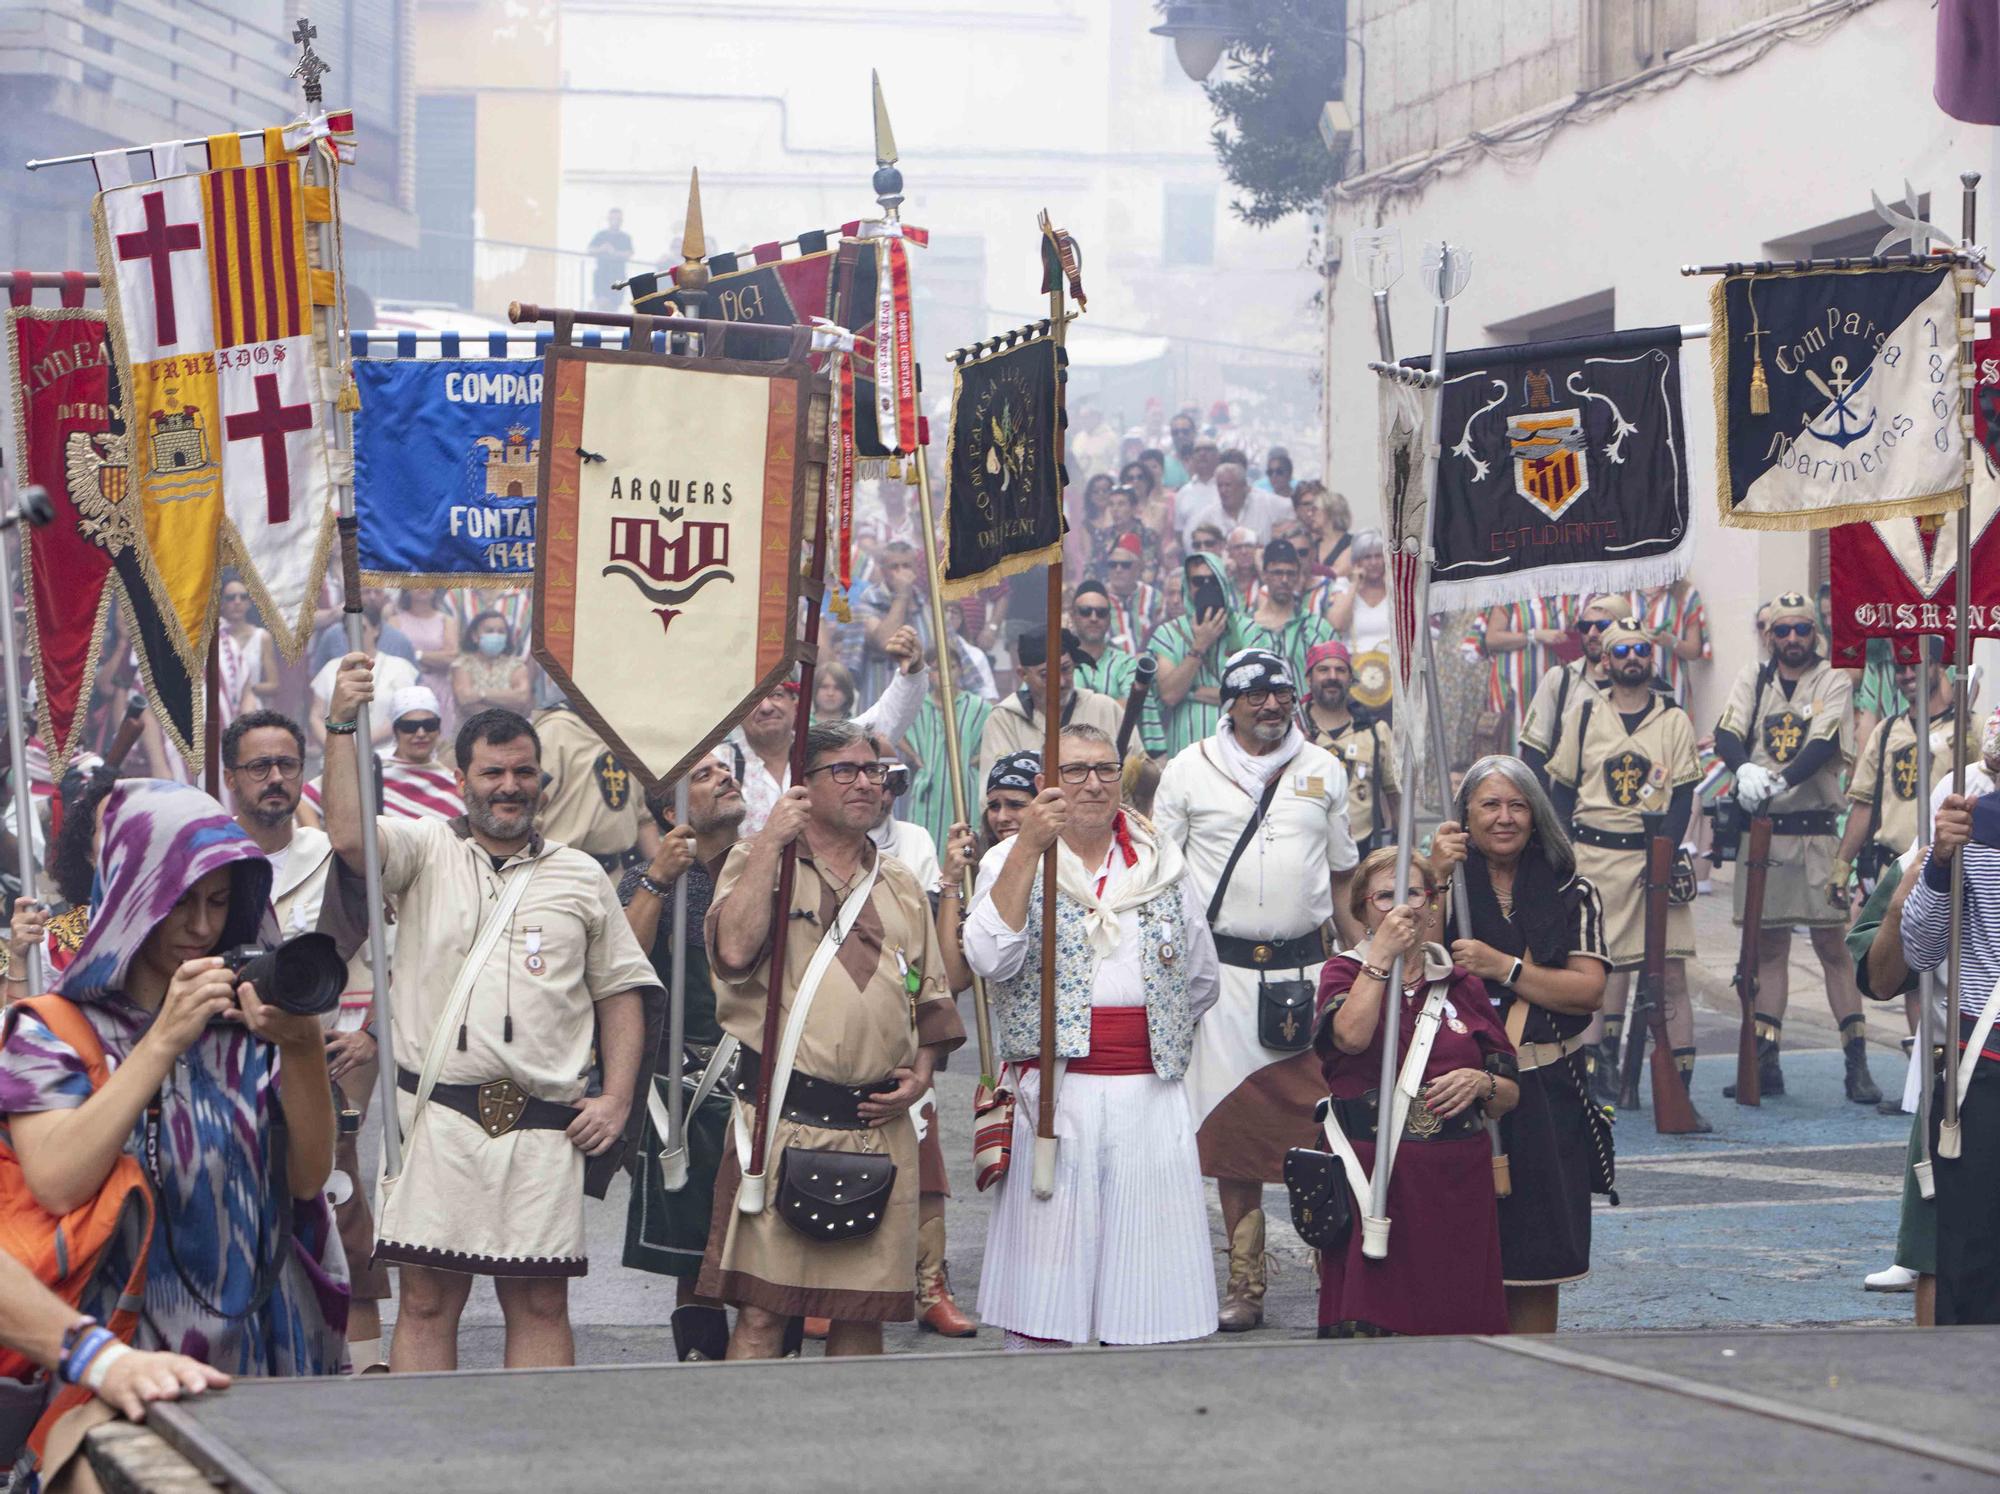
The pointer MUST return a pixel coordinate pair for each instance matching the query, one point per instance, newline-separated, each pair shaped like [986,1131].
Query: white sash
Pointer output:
[673,1164]
[1981,1030]
[750,1195]
[1408,1079]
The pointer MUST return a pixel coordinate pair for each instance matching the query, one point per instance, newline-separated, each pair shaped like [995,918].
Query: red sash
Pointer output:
[1119,1043]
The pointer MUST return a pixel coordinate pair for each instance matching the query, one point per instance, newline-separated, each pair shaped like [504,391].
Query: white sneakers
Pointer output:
[1891,1279]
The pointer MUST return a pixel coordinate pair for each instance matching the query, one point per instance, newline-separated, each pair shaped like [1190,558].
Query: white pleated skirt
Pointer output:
[1120,1253]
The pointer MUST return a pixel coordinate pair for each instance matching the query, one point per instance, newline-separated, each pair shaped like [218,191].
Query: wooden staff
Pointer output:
[1673,1111]
[1753,863]
[1045,1117]
[1948,1142]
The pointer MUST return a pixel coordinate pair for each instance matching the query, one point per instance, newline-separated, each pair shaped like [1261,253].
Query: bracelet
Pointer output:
[1376,971]
[100,1367]
[662,893]
[1512,975]
[950,890]
[1492,1087]
[87,1347]
[340,728]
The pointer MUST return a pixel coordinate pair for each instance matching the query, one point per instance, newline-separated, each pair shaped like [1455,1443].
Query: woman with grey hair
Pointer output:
[1536,937]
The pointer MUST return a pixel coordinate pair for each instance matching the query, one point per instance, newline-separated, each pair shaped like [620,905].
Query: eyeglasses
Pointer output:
[1258,699]
[1420,897]
[260,768]
[1631,650]
[1791,630]
[845,773]
[1593,625]
[411,725]
[1077,773]
[1091,611]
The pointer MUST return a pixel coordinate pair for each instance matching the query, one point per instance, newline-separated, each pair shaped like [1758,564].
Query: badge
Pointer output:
[1168,954]
[913,982]
[1352,751]
[1456,1026]
[532,938]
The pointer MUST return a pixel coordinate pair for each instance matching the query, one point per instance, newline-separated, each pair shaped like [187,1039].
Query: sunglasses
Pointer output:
[1091,611]
[1075,773]
[1120,565]
[1593,625]
[1631,650]
[1791,630]
[411,725]
[845,773]
[236,596]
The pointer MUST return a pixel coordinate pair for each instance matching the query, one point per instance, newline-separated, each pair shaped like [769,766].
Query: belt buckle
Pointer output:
[502,1102]
[1424,1122]
[1261,954]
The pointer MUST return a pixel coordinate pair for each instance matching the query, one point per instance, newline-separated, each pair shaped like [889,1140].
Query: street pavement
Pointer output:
[1772,1220]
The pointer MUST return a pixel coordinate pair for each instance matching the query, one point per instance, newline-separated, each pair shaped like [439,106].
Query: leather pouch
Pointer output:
[832,1196]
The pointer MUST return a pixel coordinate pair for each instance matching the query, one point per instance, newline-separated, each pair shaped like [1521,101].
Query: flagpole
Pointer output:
[33,505]
[674,1159]
[1927,980]
[888,187]
[1948,1143]
[321,171]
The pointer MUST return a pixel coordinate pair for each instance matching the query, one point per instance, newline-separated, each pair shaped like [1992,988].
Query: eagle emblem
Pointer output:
[97,468]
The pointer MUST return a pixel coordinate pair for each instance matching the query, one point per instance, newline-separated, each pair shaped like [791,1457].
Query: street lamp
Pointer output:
[1200,30]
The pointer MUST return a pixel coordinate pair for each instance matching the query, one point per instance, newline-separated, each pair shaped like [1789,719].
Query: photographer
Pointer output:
[222,1099]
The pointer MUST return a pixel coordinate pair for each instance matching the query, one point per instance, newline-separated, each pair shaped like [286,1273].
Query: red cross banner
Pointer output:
[1895,578]
[672,499]
[209,294]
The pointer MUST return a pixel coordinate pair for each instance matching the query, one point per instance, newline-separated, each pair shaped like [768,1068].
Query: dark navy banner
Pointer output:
[445,456]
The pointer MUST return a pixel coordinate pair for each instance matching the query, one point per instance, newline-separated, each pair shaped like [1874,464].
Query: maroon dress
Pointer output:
[1443,1270]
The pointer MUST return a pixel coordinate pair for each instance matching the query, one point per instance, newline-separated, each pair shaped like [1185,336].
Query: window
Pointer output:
[1854,236]
[440,268]
[1188,235]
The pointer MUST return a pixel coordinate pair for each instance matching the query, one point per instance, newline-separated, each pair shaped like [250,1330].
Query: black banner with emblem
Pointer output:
[1003,505]
[1564,469]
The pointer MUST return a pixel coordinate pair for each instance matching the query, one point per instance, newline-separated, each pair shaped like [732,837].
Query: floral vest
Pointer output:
[1017,1002]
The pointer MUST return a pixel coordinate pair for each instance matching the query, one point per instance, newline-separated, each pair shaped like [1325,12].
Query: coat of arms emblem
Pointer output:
[1547,447]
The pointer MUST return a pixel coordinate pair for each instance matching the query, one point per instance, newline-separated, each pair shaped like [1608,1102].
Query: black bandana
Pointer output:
[1255,669]
[1017,770]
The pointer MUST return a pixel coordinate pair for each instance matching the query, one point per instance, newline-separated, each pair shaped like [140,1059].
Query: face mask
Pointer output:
[493,644]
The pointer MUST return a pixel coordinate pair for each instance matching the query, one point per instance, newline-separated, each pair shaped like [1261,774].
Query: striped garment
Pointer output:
[1927,914]
[929,803]
[1670,614]
[1110,675]
[1511,677]
[1133,620]
[410,791]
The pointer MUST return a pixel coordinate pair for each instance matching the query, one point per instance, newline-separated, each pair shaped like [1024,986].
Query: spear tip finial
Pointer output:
[888,181]
[693,274]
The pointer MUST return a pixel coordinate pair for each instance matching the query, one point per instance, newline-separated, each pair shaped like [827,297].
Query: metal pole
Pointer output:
[17,738]
[1927,981]
[1948,1133]
[675,1141]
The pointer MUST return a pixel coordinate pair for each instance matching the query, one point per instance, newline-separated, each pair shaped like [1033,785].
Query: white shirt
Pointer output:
[1262,512]
[996,951]
[1282,887]
[910,844]
[891,716]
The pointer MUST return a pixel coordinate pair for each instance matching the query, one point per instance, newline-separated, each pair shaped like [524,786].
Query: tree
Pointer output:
[1286,60]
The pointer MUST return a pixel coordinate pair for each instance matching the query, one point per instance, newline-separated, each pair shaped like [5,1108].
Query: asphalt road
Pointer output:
[1772,1220]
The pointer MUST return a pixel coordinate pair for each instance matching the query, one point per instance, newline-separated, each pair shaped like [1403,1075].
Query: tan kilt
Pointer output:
[1620,880]
[1795,884]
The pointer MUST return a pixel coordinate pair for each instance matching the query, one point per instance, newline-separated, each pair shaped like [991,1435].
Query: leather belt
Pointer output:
[1609,840]
[1357,1120]
[499,1106]
[1545,1055]
[811,1101]
[1271,954]
[1806,822]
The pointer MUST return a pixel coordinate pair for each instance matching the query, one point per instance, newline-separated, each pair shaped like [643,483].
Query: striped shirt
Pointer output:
[929,803]
[1927,916]
[410,791]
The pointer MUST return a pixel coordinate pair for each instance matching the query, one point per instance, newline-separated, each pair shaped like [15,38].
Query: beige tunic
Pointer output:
[1371,774]
[1620,776]
[593,802]
[509,1205]
[1887,769]
[1775,729]
[1008,728]
[1552,704]
[864,1024]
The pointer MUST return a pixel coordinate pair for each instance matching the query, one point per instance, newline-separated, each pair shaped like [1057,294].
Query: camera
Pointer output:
[304,975]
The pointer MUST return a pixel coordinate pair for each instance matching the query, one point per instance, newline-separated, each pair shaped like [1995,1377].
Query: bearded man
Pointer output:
[1358,739]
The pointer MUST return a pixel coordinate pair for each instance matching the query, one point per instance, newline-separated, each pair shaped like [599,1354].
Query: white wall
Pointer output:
[1714,169]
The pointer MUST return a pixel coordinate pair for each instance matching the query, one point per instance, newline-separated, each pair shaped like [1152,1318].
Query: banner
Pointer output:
[69,438]
[209,299]
[1897,579]
[1003,495]
[1836,396]
[671,508]
[1404,438]
[1566,472]
[447,457]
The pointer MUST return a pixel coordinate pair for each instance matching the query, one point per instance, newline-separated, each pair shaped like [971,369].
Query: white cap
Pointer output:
[412,698]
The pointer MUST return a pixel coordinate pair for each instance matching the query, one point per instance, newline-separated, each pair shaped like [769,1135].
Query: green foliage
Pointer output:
[1289,57]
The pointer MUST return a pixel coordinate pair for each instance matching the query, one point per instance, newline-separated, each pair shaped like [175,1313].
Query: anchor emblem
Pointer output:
[1842,391]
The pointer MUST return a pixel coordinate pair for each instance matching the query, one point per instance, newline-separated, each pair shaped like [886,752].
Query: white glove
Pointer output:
[1757,786]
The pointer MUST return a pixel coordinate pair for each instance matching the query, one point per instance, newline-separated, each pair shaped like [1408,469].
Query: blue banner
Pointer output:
[446,453]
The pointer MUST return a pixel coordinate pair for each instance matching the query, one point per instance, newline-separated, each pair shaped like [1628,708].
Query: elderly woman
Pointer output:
[1536,938]
[222,1098]
[1442,1272]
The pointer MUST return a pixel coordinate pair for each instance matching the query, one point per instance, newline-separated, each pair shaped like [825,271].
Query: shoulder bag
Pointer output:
[1282,1005]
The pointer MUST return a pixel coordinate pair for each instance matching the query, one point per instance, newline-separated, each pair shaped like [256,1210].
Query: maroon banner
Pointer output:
[1896,579]
[61,382]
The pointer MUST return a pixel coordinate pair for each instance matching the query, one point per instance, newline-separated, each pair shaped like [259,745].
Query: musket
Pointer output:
[1754,864]
[1135,702]
[1673,1111]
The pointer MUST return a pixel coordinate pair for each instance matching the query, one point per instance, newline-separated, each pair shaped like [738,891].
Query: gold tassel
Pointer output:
[350,397]
[1760,387]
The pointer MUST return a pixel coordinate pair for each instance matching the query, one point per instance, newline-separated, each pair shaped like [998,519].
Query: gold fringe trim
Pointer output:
[420,580]
[1013,565]
[1952,500]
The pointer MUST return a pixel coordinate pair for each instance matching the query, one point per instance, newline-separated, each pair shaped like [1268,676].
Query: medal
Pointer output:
[1456,1026]
[533,940]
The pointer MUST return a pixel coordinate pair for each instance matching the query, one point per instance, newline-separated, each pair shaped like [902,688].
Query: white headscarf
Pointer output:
[1157,865]
[1254,771]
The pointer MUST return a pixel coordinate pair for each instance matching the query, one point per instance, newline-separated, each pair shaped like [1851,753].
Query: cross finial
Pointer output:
[312,67]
